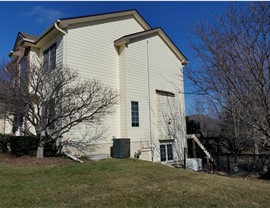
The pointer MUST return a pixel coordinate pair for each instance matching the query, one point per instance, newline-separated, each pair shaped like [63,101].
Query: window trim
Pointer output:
[165,93]
[166,151]
[48,50]
[135,123]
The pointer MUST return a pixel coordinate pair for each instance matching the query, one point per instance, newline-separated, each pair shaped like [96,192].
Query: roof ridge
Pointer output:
[98,14]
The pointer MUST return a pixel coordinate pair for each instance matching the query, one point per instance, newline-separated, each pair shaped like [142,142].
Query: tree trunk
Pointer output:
[40,150]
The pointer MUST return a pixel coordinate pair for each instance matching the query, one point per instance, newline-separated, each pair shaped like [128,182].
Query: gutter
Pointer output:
[54,25]
[58,28]
[64,40]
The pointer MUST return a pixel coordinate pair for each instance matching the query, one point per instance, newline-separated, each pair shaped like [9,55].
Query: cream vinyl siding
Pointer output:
[34,56]
[165,74]
[91,51]
[59,50]
[123,92]
[5,126]
[89,48]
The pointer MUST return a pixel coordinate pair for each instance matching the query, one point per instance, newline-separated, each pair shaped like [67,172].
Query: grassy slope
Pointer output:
[125,183]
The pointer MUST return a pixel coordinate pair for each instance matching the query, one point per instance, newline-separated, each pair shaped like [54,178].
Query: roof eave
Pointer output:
[50,28]
[173,47]
[127,39]
[63,23]
[81,19]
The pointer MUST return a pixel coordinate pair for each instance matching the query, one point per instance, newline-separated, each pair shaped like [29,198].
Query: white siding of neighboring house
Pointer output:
[165,70]
[90,50]
[5,126]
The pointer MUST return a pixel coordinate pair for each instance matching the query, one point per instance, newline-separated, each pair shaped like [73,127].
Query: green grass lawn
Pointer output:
[125,183]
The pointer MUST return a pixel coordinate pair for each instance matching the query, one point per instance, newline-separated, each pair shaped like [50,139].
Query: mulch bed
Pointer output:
[22,161]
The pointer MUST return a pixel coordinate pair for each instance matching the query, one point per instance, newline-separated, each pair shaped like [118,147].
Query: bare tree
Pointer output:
[49,102]
[171,126]
[235,135]
[235,67]
[205,116]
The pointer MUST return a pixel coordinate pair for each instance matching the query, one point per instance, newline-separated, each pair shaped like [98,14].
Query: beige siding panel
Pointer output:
[165,72]
[34,56]
[5,126]
[91,51]
[122,80]
[91,48]
[59,50]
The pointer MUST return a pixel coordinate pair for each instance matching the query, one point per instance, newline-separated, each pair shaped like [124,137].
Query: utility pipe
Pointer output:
[72,157]
[149,101]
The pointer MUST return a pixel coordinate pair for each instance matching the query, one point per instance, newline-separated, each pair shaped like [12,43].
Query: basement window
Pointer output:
[166,152]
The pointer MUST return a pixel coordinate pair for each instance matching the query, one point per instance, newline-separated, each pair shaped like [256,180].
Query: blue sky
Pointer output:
[175,18]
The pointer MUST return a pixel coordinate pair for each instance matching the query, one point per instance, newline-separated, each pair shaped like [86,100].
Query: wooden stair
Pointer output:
[195,138]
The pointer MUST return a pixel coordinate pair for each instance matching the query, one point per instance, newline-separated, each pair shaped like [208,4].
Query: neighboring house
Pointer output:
[5,126]
[140,62]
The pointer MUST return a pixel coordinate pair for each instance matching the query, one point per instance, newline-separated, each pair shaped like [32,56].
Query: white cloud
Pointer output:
[44,15]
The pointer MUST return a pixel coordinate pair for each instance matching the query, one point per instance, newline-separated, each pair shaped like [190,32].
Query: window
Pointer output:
[23,68]
[48,113]
[134,114]
[49,57]
[166,152]
[51,113]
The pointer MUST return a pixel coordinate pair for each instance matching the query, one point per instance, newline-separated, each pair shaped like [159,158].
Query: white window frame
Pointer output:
[48,52]
[166,151]
[136,122]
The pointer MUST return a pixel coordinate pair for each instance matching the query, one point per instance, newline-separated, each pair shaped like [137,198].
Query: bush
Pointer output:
[23,145]
[50,149]
[27,145]
[3,144]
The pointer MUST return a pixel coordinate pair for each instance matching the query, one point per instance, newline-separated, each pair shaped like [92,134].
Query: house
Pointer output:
[141,63]
[5,126]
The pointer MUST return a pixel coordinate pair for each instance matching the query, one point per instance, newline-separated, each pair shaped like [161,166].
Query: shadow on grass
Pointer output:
[266,176]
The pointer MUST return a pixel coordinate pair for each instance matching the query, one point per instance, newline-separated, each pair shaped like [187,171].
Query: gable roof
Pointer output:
[64,22]
[156,31]
[89,18]
[28,36]
[20,37]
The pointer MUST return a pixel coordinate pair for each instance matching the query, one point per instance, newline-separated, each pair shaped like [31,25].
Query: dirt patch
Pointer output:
[10,160]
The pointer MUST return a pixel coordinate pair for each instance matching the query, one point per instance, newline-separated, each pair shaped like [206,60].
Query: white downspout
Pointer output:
[64,40]
[149,101]
[64,64]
